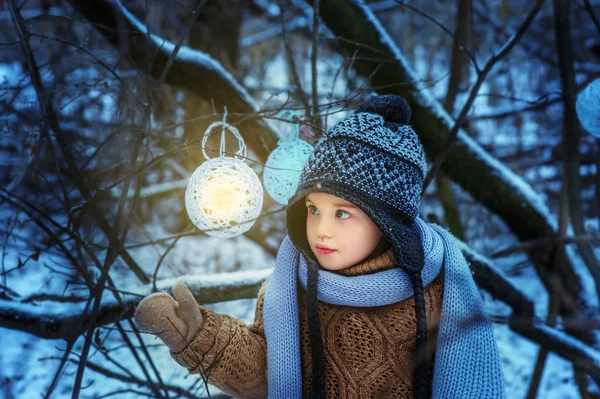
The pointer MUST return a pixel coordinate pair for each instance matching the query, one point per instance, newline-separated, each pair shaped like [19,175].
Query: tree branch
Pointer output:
[48,113]
[46,319]
[192,69]
[55,320]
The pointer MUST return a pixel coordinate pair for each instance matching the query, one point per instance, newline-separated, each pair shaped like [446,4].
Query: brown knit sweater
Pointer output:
[368,351]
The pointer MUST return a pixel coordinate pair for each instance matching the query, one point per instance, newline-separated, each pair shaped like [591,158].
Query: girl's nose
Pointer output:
[324,229]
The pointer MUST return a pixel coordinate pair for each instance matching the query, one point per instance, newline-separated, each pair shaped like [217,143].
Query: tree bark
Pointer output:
[57,318]
[459,72]
[459,66]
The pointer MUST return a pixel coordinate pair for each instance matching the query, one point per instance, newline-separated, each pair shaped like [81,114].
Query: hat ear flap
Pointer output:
[408,248]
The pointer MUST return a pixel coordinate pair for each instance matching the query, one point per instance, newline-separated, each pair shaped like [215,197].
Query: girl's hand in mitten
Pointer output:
[176,322]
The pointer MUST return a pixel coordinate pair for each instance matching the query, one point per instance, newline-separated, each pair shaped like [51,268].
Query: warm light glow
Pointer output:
[222,197]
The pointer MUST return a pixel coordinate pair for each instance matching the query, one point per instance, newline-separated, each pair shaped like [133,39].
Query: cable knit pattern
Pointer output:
[229,354]
[369,351]
[232,356]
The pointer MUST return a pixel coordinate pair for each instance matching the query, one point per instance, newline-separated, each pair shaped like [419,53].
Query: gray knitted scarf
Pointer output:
[467,364]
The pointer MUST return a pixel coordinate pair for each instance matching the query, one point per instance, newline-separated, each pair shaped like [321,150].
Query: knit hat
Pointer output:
[374,160]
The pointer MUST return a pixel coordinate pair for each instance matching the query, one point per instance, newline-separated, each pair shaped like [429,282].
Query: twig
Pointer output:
[160,261]
[124,378]
[184,35]
[499,115]
[289,55]
[590,10]
[315,52]
[457,39]
[48,112]
[554,300]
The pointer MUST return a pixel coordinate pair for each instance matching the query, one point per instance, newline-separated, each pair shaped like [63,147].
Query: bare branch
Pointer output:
[482,75]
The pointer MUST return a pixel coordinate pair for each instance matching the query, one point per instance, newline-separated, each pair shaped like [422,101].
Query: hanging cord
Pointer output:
[241,153]
[222,149]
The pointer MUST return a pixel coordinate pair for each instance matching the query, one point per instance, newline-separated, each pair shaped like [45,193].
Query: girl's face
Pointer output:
[339,225]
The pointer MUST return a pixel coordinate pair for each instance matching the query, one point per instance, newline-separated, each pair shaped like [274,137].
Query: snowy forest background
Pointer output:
[103,107]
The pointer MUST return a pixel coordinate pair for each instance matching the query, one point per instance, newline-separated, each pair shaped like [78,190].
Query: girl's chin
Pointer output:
[332,266]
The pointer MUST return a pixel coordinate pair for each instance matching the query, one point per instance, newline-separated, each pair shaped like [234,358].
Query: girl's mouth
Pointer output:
[325,251]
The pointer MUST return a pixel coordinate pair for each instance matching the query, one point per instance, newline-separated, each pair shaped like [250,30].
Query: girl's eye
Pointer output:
[314,211]
[340,211]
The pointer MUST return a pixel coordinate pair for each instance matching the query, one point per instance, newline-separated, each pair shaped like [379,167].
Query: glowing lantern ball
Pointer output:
[224,196]
[285,163]
[587,107]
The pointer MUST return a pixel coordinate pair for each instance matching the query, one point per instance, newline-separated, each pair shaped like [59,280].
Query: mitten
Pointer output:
[177,322]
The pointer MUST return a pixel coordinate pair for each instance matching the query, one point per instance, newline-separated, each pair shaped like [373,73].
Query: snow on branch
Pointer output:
[156,189]
[494,281]
[57,319]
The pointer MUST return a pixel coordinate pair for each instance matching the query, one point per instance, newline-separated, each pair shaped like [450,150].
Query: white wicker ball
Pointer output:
[224,197]
[284,167]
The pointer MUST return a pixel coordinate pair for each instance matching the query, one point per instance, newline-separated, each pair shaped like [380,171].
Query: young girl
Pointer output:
[357,305]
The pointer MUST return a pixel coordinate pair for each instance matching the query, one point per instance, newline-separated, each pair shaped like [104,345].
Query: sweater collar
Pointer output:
[379,263]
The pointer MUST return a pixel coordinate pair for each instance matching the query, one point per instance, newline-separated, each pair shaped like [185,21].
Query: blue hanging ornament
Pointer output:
[587,107]
[224,196]
[285,163]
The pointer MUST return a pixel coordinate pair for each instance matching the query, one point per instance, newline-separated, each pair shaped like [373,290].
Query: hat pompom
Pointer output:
[391,107]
